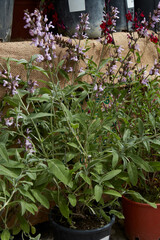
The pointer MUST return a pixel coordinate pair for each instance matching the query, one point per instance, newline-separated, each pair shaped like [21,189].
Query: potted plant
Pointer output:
[65,142]
[54,144]
[137,144]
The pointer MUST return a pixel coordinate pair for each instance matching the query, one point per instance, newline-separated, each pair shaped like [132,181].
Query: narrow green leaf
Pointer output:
[64,74]
[39,115]
[138,57]
[7,172]
[140,127]
[24,224]
[126,134]
[72,199]
[110,175]
[141,163]
[112,193]
[74,145]
[40,198]
[115,158]
[58,169]
[104,62]
[40,69]
[133,173]
[63,207]
[3,152]
[85,178]
[116,213]
[152,120]
[31,175]
[98,190]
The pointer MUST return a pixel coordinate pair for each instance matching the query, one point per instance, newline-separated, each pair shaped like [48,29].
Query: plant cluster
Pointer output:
[81,142]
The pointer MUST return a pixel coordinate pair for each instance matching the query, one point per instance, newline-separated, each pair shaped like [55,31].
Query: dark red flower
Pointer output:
[154,39]
[51,6]
[142,15]
[55,18]
[129,16]
[103,26]
[109,39]
[109,23]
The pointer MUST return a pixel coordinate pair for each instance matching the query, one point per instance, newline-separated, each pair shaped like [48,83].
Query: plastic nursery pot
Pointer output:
[70,10]
[142,222]
[63,233]
[6,15]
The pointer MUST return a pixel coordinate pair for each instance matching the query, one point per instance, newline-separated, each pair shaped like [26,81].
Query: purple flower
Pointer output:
[9,121]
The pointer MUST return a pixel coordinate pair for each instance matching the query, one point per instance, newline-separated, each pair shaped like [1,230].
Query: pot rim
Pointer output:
[138,203]
[109,225]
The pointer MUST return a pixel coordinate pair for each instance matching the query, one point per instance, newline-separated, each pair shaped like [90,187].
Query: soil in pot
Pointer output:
[81,222]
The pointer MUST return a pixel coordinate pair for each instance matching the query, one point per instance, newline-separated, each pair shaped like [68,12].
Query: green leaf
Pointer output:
[38,237]
[75,125]
[5,235]
[16,230]
[26,194]
[116,213]
[112,193]
[24,224]
[138,57]
[40,69]
[58,169]
[140,162]
[104,215]
[39,115]
[72,199]
[43,98]
[138,196]
[40,198]
[33,230]
[133,173]
[140,127]
[74,145]
[60,64]
[158,49]
[3,152]
[64,74]
[63,207]
[110,175]
[104,62]
[126,134]
[67,112]
[115,158]
[85,178]
[98,190]
[152,120]
[81,74]
[31,175]
[7,172]
[13,164]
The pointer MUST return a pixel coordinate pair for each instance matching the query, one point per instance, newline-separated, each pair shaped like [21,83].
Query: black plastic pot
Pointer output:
[6,15]
[69,14]
[63,233]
